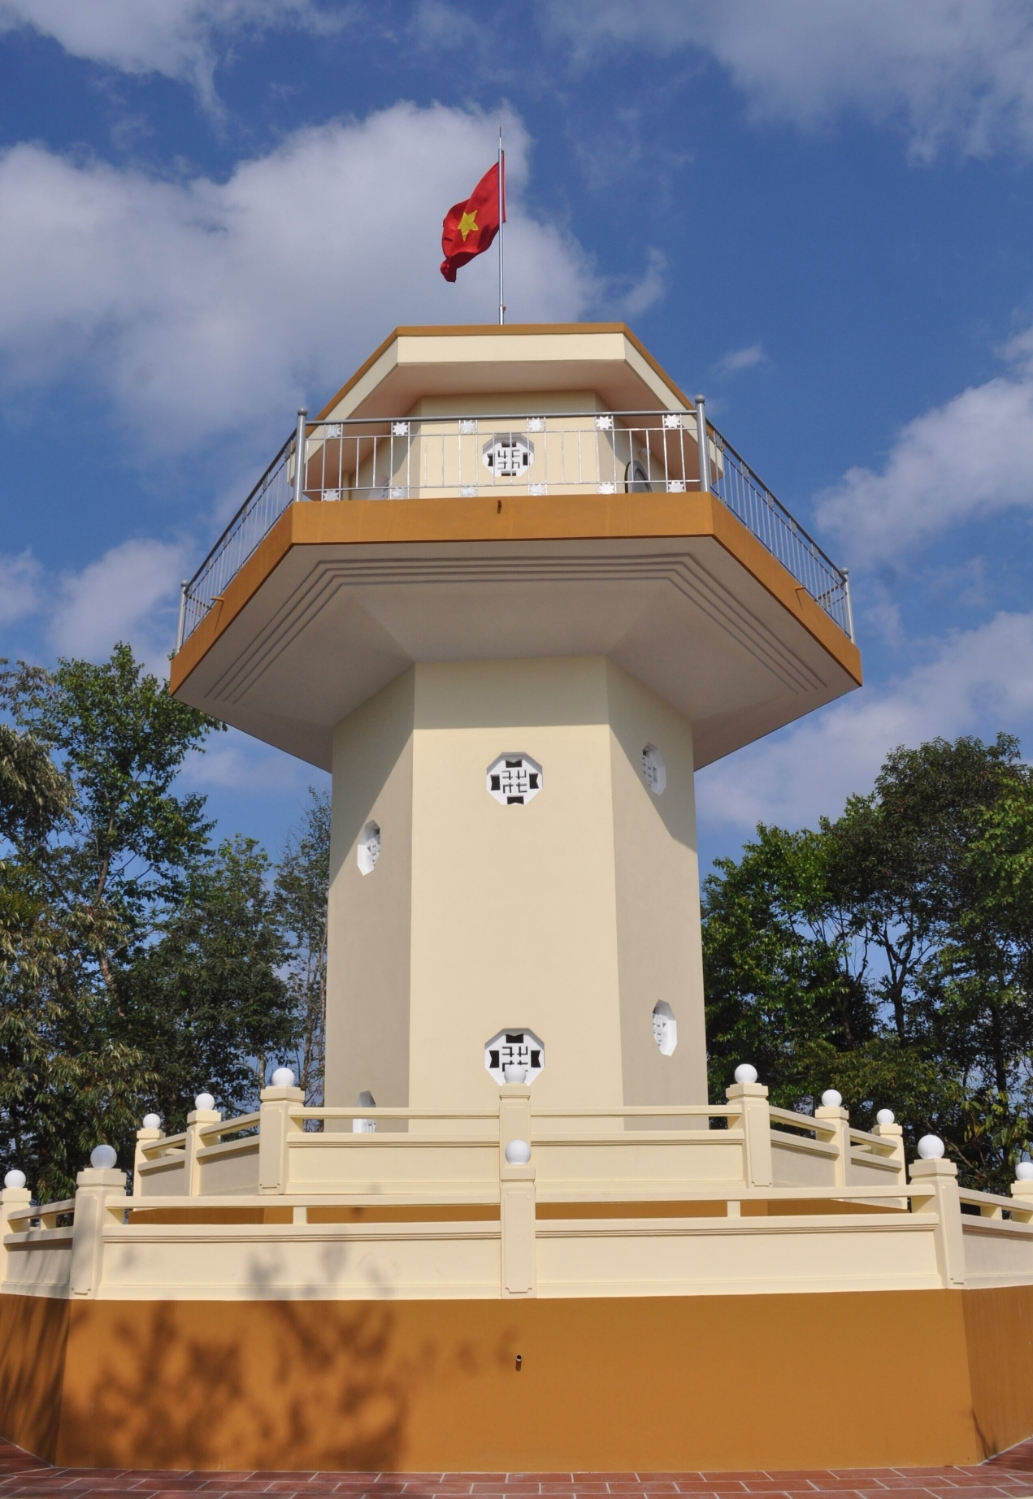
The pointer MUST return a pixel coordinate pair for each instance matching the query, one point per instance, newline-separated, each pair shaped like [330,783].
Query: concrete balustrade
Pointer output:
[519,1202]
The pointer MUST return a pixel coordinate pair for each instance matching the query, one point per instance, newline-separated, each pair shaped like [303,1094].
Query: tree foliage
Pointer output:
[890,953]
[138,965]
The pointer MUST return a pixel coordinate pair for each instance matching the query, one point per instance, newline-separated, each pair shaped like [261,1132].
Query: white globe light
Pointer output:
[152,1121]
[831,1099]
[14,1179]
[103,1157]
[1023,1171]
[746,1073]
[515,1072]
[885,1116]
[283,1077]
[518,1152]
[204,1101]
[931,1148]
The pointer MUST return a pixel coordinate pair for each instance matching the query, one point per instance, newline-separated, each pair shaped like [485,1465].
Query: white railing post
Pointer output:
[181,627]
[275,1104]
[300,445]
[832,1114]
[703,443]
[13,1198]
[886,1128]
[751,1100]
[203,1112]
[938,1180]
[1022,1191]
[849,605]
[94,1187]
[145,1136]
[516,1191]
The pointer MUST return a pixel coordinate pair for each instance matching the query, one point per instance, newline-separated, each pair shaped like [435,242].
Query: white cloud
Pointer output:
[968,457]
[207,306]
[179,38]
[981,681]
[957,70]
[650,288]
[19,585]
[119,597]
[737,360]
[235,762]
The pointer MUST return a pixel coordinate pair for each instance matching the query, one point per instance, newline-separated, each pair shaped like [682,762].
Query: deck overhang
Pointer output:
[339,599]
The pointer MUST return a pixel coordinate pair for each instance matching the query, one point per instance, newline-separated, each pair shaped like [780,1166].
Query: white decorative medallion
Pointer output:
[654,770]
[369,847]
[509,455]
[665,1028]
[515,1048]
[514,779]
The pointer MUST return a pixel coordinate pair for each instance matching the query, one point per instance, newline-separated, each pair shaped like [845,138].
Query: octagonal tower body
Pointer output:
[527,578]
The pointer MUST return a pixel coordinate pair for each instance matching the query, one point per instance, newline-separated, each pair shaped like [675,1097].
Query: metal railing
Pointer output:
[637,452]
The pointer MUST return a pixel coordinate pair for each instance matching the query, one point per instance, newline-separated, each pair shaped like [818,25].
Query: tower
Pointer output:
[513,611]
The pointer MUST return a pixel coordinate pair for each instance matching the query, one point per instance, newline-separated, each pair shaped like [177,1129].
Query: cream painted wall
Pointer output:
[477,403]
[367,1019]
[514,920]
[657,888]
[570,916]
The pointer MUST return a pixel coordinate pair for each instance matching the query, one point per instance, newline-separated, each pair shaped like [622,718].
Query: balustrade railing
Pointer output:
[570,1198]
[629,452]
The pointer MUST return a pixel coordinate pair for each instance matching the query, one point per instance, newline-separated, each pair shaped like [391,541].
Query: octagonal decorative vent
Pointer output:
[654,770]
[514,1048]
[508,455]
[665,1028]
[514,779]
[369,847]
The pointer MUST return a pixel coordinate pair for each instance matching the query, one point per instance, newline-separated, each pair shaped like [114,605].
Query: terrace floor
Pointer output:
[1008,1476]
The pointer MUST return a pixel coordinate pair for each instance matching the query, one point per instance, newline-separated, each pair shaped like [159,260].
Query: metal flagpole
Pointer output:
[502,225]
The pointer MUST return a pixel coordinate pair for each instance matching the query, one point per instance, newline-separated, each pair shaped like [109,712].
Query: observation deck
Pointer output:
[513,492]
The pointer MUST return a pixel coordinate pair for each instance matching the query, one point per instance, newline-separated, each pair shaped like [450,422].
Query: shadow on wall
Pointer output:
[177,1382]
[33,1340]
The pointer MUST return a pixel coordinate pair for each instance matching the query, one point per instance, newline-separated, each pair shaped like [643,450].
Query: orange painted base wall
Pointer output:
[664,1383]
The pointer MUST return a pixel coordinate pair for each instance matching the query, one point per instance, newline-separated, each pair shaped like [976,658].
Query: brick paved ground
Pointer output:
[1009,1476]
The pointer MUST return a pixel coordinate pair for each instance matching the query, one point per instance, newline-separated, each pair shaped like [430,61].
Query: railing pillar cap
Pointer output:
[891,1131]
[831,1111]
[204,1116]
[514,1090]
[101,1176]
[921,1169]
[1022,1188]
[278,1095]
[17,1195]
[746,1090]
[150,1134]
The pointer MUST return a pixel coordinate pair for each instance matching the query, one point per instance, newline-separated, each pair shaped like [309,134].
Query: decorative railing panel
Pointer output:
[627,452]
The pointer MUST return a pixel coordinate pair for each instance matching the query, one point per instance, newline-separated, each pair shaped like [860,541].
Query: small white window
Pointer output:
[654,770]
[665,1028]
[514,779]
[516,1049]
[369,848]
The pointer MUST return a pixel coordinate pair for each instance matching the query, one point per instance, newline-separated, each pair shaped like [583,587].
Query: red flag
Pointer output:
[469,228]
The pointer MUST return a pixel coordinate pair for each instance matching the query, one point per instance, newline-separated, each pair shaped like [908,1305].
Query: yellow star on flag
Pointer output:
[467,223]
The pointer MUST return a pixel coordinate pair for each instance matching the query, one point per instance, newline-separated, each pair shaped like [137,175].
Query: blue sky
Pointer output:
[820,215]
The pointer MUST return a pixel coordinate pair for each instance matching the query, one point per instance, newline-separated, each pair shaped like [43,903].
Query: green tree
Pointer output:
[135,965]
[302,888]
[121,740]
[778,963]
[889,954]
[207,1002]
[66,1077]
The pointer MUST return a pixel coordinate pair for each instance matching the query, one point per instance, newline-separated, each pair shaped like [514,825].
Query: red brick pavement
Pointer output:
[1009,1476]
